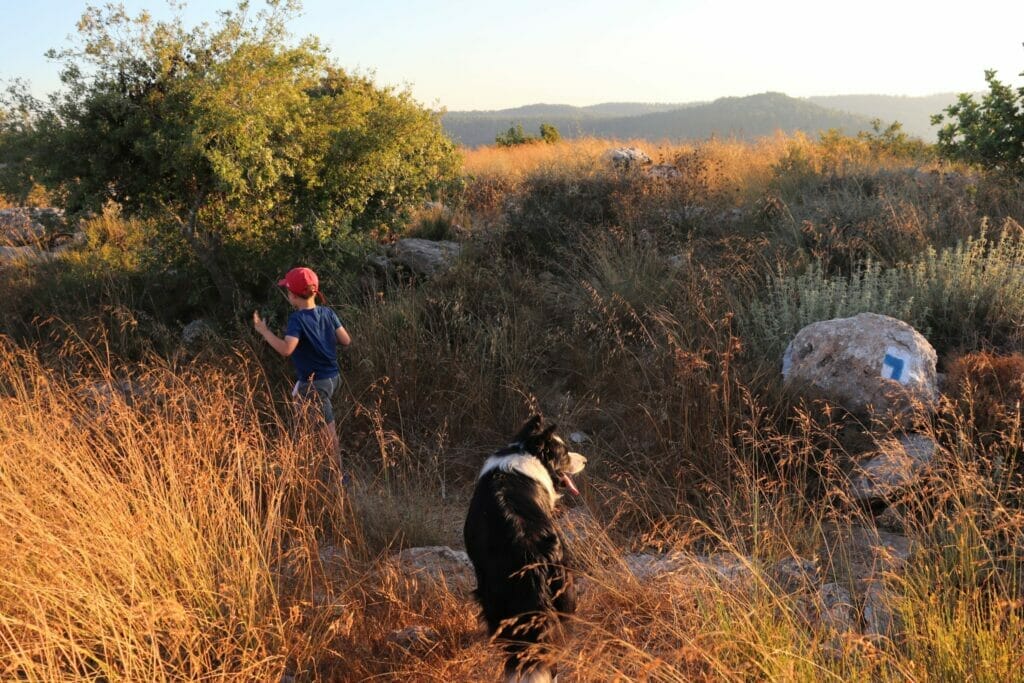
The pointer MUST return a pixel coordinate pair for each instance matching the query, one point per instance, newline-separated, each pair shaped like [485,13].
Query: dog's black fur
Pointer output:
[523,583]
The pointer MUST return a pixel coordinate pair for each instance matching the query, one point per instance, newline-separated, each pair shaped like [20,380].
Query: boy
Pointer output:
[311,339]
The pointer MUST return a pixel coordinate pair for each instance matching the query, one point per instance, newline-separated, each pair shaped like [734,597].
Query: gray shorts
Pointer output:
[319,390]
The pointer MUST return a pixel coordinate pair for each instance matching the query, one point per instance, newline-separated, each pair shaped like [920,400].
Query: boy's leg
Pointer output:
[330,435]
[325,389]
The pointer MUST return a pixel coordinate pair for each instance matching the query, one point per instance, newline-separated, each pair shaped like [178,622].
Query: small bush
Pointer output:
[989,388]
[795,301]
[961,297]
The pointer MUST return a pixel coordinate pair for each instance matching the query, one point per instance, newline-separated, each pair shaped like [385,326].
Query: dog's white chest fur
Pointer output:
[524,464]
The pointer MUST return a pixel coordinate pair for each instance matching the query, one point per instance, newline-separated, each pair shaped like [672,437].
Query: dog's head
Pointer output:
[550,449]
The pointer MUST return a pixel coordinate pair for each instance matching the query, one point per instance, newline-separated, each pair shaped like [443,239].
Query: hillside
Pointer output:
[913,112]
[744,117]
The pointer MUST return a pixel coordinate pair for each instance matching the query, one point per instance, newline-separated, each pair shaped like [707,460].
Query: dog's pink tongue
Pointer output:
[567,480]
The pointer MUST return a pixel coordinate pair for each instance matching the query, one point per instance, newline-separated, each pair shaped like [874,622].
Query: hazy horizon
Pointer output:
[698,102]
[467,56]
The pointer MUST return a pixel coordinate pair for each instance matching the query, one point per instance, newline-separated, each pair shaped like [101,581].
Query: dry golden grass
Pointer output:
[741,169]
[190,529]
[187,534]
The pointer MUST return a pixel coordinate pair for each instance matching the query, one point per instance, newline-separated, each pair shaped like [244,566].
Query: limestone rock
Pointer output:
[834,606]
[413,637]
[425,258]
[579,437]
[198,334]
[22,225]
[437,563]
[650,565]
[898,464]
[628,157]
[795,573]
[870,364]
[663,171]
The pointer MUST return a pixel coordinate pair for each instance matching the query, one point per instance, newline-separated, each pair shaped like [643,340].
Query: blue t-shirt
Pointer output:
[316,355]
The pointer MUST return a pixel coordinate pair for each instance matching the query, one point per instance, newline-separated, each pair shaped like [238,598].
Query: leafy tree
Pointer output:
[989,132]
[16,115]
[893,141]
[549,134]
[516,136]
[240,142]
[513,136]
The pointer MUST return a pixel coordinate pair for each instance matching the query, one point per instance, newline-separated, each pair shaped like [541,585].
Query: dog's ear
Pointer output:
[529,428]
[548,432]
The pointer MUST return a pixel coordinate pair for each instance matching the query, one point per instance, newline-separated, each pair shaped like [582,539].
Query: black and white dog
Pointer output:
[523,583]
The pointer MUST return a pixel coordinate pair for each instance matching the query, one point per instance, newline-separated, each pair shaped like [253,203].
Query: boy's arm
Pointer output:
[285,346]
[342,335]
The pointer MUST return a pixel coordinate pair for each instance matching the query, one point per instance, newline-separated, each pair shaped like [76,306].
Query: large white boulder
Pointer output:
[869,364]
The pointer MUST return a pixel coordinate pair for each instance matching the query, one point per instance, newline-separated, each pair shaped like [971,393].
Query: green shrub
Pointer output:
[549,133]
[513,136]
[249,150]
[960,297]
[990,132]
[793,301]
[516,136]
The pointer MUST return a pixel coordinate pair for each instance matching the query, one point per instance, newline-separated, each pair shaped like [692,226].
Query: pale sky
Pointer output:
[479,54]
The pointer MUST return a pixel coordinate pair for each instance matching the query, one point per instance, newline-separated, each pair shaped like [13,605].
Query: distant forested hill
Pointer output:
[913,112]
[743,117]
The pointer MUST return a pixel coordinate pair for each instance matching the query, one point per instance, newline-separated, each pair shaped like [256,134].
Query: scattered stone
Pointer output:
[382,266]
[676,261]
[67,242]
[694,213]
[646,566]
[727,567]
[425,258]
[835,608]
[870,552]
[873,555]
[731,216]
[721,566]
[628,157]
[22,225]
[663,171]
[795,573]
[103,395]
[332,557]
[198,334]
[891,520]
[413,637]
[898,464]
[879,621]
[579,437]
[437,563]
[870,364]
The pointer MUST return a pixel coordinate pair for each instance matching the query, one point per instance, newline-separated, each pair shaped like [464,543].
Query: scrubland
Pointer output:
[164,515]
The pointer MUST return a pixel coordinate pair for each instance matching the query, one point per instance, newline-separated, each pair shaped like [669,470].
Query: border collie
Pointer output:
[523,583]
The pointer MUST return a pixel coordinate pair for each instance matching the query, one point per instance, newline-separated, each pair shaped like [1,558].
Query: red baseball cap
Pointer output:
[301,282]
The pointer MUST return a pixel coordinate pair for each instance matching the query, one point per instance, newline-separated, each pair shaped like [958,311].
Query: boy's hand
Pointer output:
[258,322]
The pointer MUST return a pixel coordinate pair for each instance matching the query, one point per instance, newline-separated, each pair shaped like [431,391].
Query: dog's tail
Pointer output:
[539,674]
[526,641]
